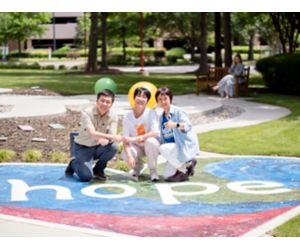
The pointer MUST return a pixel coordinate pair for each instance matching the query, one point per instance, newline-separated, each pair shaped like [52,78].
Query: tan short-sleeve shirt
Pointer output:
[90,117]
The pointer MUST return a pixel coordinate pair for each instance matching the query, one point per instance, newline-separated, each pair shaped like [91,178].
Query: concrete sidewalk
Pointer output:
[30,106]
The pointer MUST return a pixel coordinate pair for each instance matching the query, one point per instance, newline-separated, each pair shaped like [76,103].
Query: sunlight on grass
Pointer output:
[77,83]
[280,137]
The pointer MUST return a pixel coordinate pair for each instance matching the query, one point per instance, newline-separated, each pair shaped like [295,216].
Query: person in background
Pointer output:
[140,131]
[179,141]
[225,86]
[96,139]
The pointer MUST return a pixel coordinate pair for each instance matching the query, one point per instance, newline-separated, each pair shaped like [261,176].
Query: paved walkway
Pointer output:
[30,106]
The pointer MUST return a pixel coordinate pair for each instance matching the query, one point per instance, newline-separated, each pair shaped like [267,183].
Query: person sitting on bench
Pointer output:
[225,86]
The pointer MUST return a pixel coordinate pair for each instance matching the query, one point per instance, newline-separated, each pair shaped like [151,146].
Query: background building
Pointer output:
[61,31]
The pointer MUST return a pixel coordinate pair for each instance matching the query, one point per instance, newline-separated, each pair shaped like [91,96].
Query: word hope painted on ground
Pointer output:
[20,188]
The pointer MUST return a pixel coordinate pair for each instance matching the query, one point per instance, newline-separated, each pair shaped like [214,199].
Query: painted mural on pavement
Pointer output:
[226,197]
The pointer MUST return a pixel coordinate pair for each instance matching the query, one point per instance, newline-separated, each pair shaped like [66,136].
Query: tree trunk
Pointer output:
[203,43]
[250,51]
[93,42]
[19,47]
[193,41]
[124,44]
[218,49]
[103,41]
[276,19]
[227,39]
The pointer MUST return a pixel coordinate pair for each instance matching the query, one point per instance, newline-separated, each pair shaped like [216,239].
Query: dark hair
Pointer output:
[239,57]
[106,92]
[164,91]
[141,90]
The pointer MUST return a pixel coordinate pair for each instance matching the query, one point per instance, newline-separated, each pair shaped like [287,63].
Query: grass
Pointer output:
[289,229]
[280,137]
[77,83]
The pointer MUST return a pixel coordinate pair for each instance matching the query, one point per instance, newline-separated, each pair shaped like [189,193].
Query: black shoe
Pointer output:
[191,167]
[101,176]
[178,177]
[69,170]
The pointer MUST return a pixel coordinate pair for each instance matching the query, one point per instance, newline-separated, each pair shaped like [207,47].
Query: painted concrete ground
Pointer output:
[226,197]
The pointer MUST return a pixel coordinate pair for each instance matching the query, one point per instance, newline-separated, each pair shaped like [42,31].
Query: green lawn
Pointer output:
[280,137]
[78,83]
[289,229]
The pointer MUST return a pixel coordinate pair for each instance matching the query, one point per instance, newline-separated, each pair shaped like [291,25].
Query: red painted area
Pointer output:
[193,226]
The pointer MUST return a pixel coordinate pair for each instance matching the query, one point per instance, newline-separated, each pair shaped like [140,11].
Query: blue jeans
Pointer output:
[85,157]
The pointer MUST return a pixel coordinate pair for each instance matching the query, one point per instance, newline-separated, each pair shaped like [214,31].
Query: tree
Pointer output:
[93,44]
[83,29]
[218,49]
[227,39]
[103,18]
[203,43]
[182,24]
[27,24]
[288,26]
[20,26]
[123,30]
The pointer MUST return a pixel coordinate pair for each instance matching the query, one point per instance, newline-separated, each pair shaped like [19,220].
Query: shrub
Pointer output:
[75,67]
[61,52]
[281,73]
[245,49]
[174,54]
[32,155]
[7,155]
[62,67]
[122,165]
[115,59]
[58,156]
[19,66]
[49,67]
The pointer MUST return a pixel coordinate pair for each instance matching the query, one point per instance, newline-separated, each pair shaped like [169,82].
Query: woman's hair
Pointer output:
[239,57]
[141,90]
[164,91]
[106,92]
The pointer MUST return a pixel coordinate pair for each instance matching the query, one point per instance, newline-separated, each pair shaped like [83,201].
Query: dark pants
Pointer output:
[85,157]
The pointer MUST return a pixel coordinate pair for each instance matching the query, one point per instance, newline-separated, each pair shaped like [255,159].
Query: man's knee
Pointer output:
[84,174]
[114,148]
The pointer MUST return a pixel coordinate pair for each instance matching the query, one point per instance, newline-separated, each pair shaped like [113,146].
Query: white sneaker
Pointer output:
[153,175]
[133,174]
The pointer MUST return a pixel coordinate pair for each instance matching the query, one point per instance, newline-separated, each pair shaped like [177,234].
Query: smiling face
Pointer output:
[103,104]
[140,100]
[164,101]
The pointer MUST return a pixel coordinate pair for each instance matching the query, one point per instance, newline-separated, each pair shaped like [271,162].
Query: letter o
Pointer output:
[90,191]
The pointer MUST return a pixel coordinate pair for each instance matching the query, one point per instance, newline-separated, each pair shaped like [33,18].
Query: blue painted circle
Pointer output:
[283,170]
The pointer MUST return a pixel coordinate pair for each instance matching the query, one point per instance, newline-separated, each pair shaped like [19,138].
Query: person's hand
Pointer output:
[103,141]
[118,138]
[170,124]
[126,139]
[131,161]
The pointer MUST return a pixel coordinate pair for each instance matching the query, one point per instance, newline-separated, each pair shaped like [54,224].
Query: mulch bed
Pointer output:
[56,139]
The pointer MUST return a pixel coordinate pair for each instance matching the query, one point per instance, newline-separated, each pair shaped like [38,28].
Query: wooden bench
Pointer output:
[215,74]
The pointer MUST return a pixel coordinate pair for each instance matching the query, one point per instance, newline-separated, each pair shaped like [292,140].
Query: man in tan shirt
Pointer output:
[95,141]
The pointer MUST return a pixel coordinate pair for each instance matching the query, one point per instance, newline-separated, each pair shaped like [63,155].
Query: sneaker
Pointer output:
[178,177]
[191,167]
[69,170]
[153,175]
